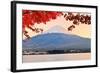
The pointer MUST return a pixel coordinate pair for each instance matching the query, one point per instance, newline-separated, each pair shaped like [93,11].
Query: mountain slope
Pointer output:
[57,41]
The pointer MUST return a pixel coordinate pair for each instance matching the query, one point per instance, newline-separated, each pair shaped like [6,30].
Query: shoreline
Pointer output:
[56,57]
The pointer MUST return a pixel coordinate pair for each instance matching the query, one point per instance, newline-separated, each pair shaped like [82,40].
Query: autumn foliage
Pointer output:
[30,17]
[77,19]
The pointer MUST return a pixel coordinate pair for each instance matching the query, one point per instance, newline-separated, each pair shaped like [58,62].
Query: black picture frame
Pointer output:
[13,35]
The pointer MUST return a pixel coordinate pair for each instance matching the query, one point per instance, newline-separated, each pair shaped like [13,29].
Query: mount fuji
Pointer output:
[57,41]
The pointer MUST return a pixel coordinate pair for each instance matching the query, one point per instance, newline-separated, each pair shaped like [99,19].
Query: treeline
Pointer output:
[31,52]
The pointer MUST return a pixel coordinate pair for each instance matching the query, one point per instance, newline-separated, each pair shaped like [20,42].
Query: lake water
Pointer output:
[56,57]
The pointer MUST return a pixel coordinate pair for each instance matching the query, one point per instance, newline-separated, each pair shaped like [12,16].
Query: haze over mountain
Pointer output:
[56,29]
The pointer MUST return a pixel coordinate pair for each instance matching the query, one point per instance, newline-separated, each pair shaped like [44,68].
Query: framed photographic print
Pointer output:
[47,36]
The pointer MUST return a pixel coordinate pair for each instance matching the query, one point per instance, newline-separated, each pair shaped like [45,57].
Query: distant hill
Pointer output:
[57,41]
